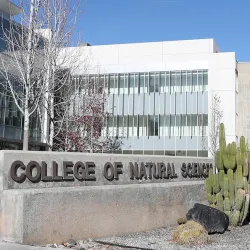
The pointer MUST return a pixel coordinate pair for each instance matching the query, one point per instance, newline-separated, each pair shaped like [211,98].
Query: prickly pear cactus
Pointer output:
[229,188]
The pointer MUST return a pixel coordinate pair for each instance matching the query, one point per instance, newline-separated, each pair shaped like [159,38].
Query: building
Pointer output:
[160,93]
[11,119]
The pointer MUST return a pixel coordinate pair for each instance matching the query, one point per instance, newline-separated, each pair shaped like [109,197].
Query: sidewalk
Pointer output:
[12,246]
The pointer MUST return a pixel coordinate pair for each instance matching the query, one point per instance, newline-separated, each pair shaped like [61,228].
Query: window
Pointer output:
[131,83]
[156,128]
[200,81]
[194,120]
[135,127]
[172,81]
[111,84]
[120,131]
[115,125]
[167,125]
[116,85]
[172,125]
[130,126]
[178,82]
[200,120]
[167,82]
[125,125]
[162,126]
[183,81]
[136,83]
[150,125]
[178,125]
[194,81]
[153,125]
[151,83]
[205,119]
[141,82]
[162,81]
[205,81]
[157,79]
[146,83]
[189,81]
[110,123]
[141,130]
[121,84]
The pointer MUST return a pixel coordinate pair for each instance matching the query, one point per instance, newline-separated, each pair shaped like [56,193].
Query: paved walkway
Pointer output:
[11,246]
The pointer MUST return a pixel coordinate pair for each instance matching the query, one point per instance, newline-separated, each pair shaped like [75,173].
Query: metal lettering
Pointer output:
[67,169]
[29,171]
[108,167]
[13,171]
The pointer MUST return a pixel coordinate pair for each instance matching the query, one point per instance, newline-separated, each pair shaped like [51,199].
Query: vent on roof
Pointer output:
[85,44]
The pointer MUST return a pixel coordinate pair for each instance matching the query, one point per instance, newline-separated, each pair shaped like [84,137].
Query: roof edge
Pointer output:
[9,8]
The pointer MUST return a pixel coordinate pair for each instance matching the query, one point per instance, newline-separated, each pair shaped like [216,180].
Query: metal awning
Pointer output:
[9,8]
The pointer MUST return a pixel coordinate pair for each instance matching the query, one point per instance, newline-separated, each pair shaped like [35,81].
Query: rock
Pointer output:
[191,233]
[181,221]
[52,245]
[212,219]
[70,243]
[81,248]
[84,246]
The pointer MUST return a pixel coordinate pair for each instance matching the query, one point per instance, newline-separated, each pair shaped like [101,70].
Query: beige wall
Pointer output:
[243,125]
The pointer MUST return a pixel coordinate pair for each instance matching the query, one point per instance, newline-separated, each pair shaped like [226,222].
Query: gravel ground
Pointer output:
[234,238]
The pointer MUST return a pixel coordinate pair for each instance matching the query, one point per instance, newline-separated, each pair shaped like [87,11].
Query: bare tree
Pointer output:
[21,68]
[84,128]
[211,141]
[60,16]
[31,71]
[43,83]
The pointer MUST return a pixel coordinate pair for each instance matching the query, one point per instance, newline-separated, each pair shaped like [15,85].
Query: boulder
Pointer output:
[212,219]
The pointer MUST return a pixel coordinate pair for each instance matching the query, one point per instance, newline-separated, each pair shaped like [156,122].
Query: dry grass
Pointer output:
[181,221]
[191,233]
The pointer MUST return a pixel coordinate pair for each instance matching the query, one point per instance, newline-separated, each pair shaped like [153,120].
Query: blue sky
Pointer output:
[127,21]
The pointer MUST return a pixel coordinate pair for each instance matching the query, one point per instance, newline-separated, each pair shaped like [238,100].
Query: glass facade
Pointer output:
[5,26]
[158,113]
[158,82]
[11,119]
[11,122]
[157,125]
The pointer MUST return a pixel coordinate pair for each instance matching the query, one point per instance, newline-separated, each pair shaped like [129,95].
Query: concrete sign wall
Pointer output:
[50,197]
[22,170]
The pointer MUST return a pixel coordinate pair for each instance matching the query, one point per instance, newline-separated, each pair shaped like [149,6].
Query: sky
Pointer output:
[131,21]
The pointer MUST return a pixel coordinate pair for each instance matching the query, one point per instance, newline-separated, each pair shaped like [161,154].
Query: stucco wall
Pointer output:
[244,100]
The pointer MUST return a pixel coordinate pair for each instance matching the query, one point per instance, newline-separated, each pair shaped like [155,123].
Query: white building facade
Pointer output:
[160,93]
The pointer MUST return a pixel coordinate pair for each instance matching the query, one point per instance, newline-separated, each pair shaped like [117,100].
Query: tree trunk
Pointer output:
[46,122]
[52,127]
[26,128]
[29,73]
